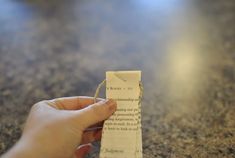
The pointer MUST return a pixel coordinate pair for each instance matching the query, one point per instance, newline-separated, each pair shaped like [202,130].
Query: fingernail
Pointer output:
[111,103]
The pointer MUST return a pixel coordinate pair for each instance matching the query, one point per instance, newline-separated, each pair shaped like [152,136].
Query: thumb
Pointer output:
[96,112]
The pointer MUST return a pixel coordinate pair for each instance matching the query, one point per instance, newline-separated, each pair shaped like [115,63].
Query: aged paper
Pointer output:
[121,137]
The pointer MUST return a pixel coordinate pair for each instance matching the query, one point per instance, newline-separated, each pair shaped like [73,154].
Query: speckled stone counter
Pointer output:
[185,49]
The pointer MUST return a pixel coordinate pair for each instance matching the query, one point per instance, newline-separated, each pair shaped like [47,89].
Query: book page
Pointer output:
[121,136]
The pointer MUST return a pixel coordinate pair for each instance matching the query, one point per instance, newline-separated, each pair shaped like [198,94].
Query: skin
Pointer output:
[62,128]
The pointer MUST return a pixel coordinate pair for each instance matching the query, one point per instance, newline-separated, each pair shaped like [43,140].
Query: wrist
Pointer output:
[22,149]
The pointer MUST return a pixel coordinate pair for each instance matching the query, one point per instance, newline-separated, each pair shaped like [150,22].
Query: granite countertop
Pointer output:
[185,50]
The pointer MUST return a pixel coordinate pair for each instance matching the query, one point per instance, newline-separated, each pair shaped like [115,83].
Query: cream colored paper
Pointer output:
[121,137]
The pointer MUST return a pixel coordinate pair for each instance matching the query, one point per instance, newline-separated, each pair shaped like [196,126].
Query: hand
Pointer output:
[59,128]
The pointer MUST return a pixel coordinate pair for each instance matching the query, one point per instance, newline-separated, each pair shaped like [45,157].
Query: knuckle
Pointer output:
[39,104]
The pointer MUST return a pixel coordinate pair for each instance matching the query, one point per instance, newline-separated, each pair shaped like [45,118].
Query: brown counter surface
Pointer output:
[185,49]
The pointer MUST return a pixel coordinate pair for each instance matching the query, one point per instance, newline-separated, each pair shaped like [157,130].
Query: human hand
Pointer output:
[58,128]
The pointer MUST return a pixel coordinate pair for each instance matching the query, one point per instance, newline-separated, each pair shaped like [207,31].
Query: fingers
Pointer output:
[96,113]
[95,126]
[91,136]
[72,103]
[82,150]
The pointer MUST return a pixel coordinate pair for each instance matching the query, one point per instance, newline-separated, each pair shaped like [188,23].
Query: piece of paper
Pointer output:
[121,135]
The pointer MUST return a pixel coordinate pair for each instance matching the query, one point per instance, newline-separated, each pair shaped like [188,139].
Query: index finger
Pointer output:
[73,103]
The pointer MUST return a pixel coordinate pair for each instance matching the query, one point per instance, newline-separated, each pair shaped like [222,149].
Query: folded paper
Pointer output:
[121,135]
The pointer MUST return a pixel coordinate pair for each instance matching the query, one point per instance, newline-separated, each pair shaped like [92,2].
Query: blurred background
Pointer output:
[184,48]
